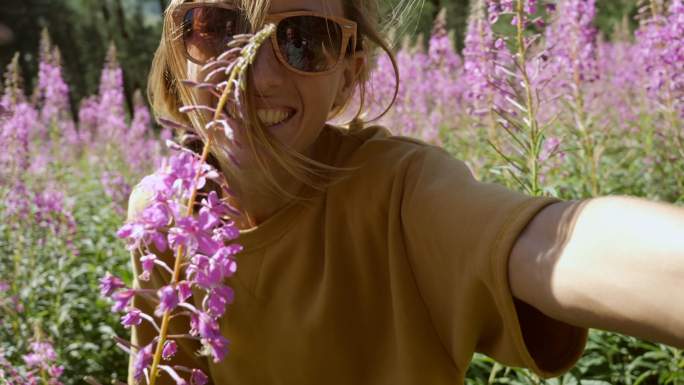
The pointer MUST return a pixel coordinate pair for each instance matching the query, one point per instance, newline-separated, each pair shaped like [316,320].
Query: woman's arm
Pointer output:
[612,263]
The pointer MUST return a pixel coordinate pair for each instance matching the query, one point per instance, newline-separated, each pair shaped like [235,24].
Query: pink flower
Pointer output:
[168,300]
[147,263]
[198,377]
[184,290]
[170,349]
[109,284]
[143,359]
[132,318]
[122,299]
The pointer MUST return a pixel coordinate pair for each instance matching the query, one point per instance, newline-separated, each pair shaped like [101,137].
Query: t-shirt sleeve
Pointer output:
[459,233]
[144,333]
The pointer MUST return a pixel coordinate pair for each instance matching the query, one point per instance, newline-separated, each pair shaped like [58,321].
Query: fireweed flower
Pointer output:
[660,39]
[117,189]
[143,359]
[53,98]
[111,123]
[15,132]
[431,86]
[571,68]
[109,284]
[571,40]
[9,372]
[620,86]
[19,120]
[14,84]
[53,212]
[442,74]
[661,42]
[141,149]
[519,87]
[132,318]
[199,233]
[41,362]
[170,349]
[570,63]
[478,56]
[87,117]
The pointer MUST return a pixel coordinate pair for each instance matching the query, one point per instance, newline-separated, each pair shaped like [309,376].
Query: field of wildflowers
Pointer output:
[537,100]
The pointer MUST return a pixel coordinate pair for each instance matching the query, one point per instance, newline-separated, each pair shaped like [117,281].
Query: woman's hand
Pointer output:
[612,263]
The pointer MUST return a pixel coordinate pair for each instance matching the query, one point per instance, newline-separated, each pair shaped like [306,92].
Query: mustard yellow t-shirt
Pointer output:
[396,275]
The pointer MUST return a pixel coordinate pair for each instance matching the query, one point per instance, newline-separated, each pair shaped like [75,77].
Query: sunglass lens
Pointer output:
[310,43]
[207,31]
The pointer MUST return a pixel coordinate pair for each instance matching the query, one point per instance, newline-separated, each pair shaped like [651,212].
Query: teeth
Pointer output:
[272,117]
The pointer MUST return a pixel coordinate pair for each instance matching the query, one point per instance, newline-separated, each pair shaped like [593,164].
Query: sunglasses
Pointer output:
[305,42]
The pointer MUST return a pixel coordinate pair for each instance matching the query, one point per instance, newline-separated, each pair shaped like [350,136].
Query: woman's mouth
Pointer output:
[271,117]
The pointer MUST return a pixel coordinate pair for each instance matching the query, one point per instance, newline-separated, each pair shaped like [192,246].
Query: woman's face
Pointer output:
[294,107]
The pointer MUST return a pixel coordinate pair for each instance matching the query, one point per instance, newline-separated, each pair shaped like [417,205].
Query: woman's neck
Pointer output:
[257,201]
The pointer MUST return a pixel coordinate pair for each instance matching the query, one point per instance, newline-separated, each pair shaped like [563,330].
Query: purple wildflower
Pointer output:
[198,378]
[111,124]
[109,284]
[184,290]
[53,94]
[170,349]
[218,347]
[122,299]
[168,300]
[147,262]
[41,354]
[218,299]
[571,41]
[88,116]
[117,189]
[479,66]
[143,359]
[132,318]
[661,41]
[15,132]
[208,328]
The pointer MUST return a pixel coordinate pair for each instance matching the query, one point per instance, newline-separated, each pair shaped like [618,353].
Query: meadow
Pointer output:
[538,100]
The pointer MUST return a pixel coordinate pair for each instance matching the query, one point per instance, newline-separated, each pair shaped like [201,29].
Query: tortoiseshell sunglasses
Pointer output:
[305,42]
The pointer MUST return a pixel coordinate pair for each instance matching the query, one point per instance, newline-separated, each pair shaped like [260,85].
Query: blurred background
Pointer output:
[83,30]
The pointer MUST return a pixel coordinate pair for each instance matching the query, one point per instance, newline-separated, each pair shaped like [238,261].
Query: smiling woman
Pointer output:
[327,206]
[299,99]
[368,258]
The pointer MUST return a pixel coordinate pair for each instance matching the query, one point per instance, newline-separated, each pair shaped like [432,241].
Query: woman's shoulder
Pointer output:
[139,199]
[143,194]
[375,144]
[380,157]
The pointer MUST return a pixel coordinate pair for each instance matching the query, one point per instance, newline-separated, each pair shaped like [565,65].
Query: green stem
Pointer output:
[533,156]
[589,147]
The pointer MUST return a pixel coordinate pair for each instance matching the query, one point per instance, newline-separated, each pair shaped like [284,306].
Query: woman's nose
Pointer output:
[267,71]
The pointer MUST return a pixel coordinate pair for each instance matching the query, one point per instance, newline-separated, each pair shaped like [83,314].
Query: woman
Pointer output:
[373,259]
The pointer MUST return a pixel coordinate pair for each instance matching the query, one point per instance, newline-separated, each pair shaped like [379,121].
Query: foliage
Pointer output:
[57,237]
[83,30]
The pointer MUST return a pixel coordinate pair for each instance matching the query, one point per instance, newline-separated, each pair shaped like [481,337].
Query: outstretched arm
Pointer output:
[612,263]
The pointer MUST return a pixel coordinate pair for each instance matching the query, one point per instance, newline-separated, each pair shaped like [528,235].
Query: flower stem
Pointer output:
[176,269]
[247,56]
[532,161]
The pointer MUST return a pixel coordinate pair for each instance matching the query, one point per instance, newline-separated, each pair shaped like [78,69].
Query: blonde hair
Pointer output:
[166,95]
